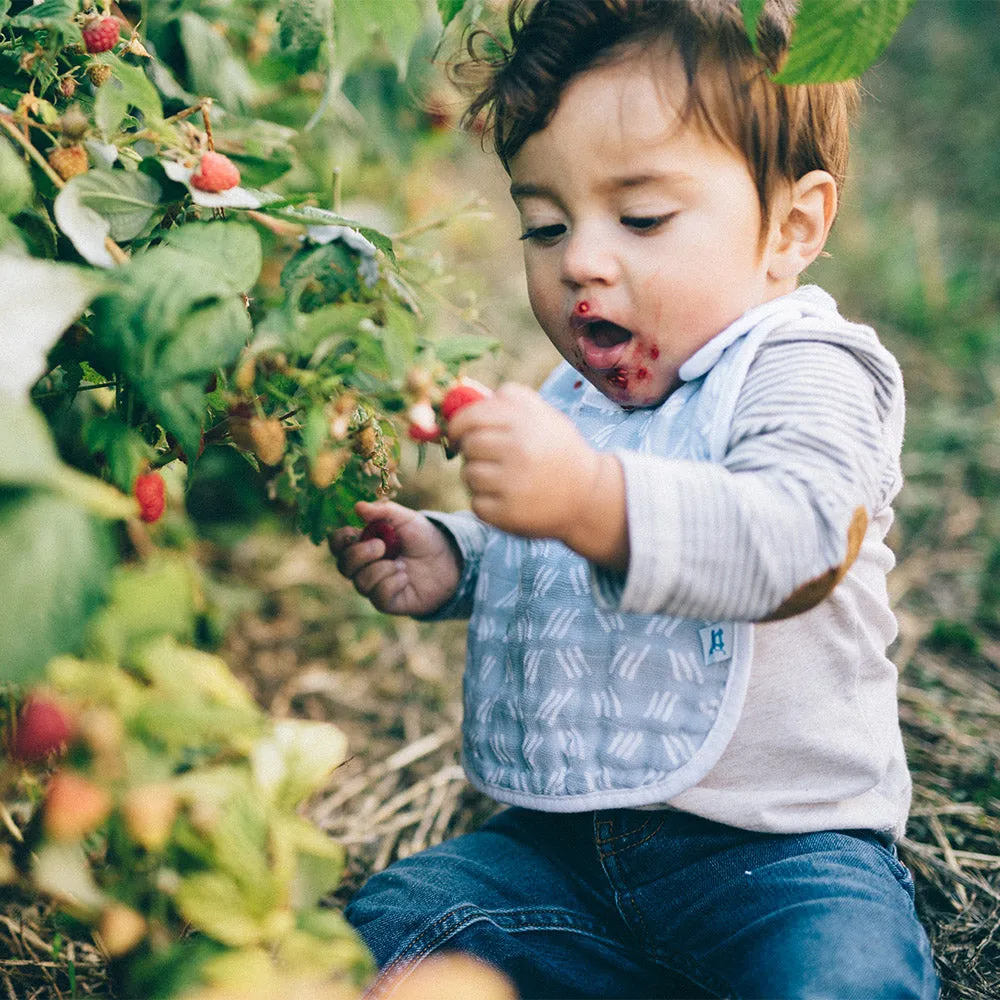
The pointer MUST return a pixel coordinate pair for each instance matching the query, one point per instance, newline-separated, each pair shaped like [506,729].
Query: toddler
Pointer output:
[674,566]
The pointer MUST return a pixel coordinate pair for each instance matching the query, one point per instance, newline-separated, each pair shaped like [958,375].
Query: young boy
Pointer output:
[675,561]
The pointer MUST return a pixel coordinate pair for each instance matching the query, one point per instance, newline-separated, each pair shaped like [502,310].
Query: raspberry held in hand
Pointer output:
[150,492]
[42,728]
[387,533]
[215,173]
[460,395]
[101,34]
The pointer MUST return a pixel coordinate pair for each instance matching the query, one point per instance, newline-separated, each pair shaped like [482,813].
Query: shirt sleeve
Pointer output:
[468,534]
[734,540]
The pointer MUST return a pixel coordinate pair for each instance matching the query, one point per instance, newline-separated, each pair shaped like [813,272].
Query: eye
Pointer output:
[645,223]
[544,234]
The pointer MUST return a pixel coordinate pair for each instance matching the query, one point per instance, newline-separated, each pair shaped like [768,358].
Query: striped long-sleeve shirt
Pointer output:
[815,435]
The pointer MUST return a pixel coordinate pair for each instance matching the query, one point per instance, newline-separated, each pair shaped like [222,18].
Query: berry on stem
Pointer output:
[383,530]
[68,161]
[42,728]
[150,491]
[101,34]
[215,173]
[423,422]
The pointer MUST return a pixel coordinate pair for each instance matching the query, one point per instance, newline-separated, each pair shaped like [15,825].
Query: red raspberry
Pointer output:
[387,533]
[215,173]
[101,34]
[460,395]
[149,491]
[423,422]
[42,727]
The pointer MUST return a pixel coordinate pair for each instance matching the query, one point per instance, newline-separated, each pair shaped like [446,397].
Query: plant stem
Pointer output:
[7,122]
[79,388]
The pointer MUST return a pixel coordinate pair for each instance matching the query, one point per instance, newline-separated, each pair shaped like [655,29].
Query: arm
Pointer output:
[770,530]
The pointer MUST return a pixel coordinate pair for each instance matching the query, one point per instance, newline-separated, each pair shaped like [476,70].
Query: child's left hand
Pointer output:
[530,471]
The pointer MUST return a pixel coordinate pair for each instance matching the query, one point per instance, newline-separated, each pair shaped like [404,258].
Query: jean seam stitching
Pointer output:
[626,833]
[403,960]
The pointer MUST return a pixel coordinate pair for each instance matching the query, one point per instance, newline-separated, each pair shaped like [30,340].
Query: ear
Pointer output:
[803,222]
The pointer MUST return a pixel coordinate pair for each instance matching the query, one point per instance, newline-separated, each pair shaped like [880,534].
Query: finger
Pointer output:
[341,539]
[356,557]
[486,444]
[383,510]
[386,593]
[486,413]
[484,478]
[369,577]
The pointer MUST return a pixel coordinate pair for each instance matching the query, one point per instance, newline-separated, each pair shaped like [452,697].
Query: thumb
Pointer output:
[383,510]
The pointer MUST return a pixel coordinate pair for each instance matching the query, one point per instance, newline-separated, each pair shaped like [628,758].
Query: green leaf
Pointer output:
[123,448]
[16,190]
[104,203]
[212,67]
[214,904]
[152,599]
[231,251]
[129,87]
[296,759]
[752,10]
[27,453]
[46,13]
[449,10]
[305,28]
[312,216]
[40,299]
[357,23]
[54,568]
[455,350]
[837,40]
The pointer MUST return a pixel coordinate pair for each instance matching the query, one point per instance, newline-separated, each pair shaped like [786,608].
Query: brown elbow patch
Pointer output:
[810,594]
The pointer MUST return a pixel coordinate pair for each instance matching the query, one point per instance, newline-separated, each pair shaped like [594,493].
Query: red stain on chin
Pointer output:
[619,377]
[582,308]
[654,352]
[642,373]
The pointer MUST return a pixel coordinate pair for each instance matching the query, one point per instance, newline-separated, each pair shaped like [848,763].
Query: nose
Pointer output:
[589,257]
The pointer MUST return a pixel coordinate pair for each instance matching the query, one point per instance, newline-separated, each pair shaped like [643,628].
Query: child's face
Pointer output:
[642,236]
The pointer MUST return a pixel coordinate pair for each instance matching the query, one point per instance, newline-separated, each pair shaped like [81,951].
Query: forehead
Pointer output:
[622,119]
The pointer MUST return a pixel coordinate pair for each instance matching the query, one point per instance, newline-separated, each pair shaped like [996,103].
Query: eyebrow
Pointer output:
[675,177]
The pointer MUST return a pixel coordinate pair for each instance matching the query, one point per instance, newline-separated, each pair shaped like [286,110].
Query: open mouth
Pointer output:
[603,344]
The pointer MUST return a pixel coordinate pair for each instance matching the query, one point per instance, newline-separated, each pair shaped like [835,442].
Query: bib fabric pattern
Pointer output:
[571,704]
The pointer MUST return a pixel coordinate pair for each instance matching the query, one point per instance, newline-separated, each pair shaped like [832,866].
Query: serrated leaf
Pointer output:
[837,40]
[129,87]
[752,9]
[40,300]
[54,567]
[313,216]
[46,12]
[296,759]
[230,250]
[104,203]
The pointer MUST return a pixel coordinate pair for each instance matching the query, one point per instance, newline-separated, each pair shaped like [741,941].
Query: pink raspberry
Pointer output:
[215,173]
[101,34]
[149,491]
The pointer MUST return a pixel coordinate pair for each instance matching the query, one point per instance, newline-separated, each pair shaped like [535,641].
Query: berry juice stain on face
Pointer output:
[654,352]
[641,374]
[582,308]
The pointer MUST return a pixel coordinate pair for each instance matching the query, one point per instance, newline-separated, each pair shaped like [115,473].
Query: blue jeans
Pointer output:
[625,903]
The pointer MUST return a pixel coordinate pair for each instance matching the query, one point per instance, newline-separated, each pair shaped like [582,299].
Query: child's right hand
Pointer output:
[423,577]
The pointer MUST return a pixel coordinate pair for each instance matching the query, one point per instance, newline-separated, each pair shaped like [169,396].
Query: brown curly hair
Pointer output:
[783,131]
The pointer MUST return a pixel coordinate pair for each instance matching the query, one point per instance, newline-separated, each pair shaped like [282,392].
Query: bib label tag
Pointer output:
[716,642]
